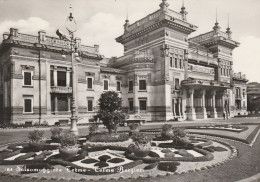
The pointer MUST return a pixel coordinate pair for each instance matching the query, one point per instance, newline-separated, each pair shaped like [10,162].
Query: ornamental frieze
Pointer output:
[27,67]
[201,69]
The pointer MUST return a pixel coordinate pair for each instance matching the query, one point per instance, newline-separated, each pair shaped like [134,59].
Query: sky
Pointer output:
[101,21]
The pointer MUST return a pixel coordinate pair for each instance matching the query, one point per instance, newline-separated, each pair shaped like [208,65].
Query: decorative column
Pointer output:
[68,77]
[213,113]
[55,76]
[69,103]
[191,115]
[184,103]
[179,106]
[55,104]
[203,104]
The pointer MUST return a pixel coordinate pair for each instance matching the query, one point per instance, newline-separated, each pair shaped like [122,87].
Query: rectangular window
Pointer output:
[105,84]
[176,63]
[90,83]
[90,105]
[177,84]
[171,62]
[27,78]
[131,105]
[180,63]
[71,80]
[62,81]
[63,103]
[142,104]
[28,107]
[52,78]
[142,84]
[118,86]
[131,86]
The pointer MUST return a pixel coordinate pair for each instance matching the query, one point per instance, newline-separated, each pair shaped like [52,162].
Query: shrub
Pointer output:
[153,154]
[36,136]
[134,128]
[101,164]
[140,138]
[56,131]
[89,161]
[116,160]
[104,158]
[93,128]
[167,131]
[167,166]
[166,150]
[68,140]
[108,137]
[110,110]
[151,166]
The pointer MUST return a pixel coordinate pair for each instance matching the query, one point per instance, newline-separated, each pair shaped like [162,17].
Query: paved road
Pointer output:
[14,135]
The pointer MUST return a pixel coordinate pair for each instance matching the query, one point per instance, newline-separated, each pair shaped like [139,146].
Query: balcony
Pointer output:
[61,90]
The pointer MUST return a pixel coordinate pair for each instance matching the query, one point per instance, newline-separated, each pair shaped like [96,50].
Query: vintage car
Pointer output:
[131,119]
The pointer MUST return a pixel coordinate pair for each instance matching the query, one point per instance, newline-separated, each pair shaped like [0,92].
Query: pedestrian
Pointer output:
[224,115]
[227,114]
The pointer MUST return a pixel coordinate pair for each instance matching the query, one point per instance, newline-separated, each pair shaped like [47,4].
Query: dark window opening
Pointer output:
[142,84]
[171,63]
[176,63]
[142,104]
[63,103]
[118,86]
[62,81]
[131,86]
[27,105]
[90,83]
[177,84]
[90,105]
[105,85]
[71,80]
[131,105]
[27,78]
[52,78]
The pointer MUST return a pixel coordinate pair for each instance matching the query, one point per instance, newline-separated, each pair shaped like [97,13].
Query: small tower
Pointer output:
[164,5]
[229,33]
[216,28]
[183,12]
[126,25]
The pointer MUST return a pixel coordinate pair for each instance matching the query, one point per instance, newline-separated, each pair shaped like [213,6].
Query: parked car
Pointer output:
[130,119]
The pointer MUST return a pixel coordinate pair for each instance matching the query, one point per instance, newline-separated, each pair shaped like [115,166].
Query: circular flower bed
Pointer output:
[111,161]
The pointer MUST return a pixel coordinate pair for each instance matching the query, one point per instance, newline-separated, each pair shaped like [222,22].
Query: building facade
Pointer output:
[253,97]
[162,75]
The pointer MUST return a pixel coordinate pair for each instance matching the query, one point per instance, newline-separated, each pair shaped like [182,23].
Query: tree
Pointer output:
[110,110]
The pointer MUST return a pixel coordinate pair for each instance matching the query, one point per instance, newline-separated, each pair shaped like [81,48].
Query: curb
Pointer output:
[255,178]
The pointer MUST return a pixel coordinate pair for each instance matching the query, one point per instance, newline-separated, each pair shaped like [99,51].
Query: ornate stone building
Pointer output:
[162,75]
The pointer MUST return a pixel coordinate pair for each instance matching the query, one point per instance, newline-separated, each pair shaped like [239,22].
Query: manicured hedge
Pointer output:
[167,166]
[151,166]
[89,161]
[116,160]
[108,137]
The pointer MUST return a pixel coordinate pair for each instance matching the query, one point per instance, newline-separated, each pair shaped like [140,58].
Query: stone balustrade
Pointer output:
[61,90]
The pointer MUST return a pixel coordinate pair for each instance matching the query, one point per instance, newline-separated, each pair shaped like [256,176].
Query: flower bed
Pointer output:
[108,137]
[105,159]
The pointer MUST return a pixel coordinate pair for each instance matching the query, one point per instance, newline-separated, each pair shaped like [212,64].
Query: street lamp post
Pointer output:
[74,46]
